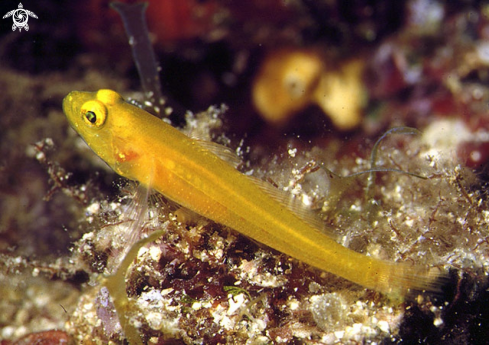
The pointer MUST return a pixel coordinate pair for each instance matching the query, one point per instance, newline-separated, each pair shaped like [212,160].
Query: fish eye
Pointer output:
[91,116]
[94,113]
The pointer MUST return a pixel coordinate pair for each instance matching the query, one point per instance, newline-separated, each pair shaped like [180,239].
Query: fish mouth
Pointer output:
[70,107]
[67,102]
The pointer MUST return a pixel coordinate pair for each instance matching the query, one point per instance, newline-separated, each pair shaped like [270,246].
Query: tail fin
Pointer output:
[404,279]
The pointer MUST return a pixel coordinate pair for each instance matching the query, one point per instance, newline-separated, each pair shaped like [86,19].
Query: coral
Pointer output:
[291,79]
[426,67]
[178,286]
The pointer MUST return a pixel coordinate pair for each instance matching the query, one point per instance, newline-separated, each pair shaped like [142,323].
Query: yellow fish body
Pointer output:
[139,146]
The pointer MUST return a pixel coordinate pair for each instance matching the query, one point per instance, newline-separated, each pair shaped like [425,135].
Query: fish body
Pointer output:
[141,147]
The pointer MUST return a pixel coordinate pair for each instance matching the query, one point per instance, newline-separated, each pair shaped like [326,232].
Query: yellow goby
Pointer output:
[141,147]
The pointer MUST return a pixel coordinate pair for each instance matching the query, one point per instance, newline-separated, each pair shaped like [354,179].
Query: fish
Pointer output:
[144,148]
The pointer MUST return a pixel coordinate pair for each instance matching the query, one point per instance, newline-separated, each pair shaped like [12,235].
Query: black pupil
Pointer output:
[91,117]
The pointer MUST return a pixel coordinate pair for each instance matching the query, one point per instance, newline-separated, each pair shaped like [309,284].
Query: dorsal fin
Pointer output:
[221,151]
[284,198]
[294,205]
